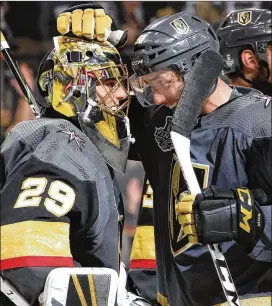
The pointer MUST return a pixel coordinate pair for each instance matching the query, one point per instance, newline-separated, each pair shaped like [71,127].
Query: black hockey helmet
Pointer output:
[168,42]
[242,28]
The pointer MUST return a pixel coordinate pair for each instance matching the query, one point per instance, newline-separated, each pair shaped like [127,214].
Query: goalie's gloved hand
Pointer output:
[91,22]
[219,215]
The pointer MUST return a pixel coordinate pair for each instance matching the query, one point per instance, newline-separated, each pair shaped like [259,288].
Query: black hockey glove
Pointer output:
[91,22]
[219,215]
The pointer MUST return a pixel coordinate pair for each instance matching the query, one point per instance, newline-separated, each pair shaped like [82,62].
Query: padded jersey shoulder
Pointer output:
[248,113]
[57,142]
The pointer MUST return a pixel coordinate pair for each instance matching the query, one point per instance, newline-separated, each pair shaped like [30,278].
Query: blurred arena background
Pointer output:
[29,27]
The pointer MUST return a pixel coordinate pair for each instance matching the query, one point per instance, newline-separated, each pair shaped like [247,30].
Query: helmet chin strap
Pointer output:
[127,124]
[91,104]
[261,63]
[242,76]
[91,95]
[261,85]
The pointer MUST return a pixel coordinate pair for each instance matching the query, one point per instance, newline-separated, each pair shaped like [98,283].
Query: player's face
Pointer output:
[111,93]
[162,87]
[167,86]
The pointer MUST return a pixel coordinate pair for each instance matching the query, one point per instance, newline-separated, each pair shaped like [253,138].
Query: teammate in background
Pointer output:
[133,195]
[60,205]
[246,46]
[142,269]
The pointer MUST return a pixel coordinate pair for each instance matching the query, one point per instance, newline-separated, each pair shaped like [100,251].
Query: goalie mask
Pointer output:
[87,82]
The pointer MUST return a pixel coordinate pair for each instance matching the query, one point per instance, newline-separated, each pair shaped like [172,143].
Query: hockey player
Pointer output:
[253,53]
[245,43]
[60,205]
[230,147]
[142,269]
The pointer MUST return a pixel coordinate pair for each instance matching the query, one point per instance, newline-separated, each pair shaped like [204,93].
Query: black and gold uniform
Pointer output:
[59,206]
[230,147]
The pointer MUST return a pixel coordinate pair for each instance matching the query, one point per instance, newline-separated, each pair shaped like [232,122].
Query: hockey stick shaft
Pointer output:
[11,293]
[197,88]
[13,66]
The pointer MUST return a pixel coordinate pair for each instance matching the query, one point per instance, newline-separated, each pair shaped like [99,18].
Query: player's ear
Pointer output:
[249,60]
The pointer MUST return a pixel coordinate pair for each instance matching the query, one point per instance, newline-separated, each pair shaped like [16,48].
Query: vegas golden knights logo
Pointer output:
[244,17]
[179,241]
[180,25]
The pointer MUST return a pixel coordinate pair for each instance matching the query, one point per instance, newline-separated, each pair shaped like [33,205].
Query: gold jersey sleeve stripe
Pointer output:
[35,238]
[143,244]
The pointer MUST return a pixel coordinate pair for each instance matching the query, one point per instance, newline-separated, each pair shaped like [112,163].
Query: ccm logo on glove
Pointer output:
[219,215]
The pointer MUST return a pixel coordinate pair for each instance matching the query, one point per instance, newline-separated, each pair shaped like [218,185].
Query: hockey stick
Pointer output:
[197,88]
[11,293]
[13,66]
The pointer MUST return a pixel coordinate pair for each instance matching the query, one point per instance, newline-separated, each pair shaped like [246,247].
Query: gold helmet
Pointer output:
[86,82]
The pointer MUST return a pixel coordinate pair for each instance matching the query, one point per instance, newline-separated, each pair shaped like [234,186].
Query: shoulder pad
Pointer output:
[57,142]
[248,113]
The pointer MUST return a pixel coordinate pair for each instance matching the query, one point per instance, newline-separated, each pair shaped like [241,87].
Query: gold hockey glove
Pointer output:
[219,215]
[90,22]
